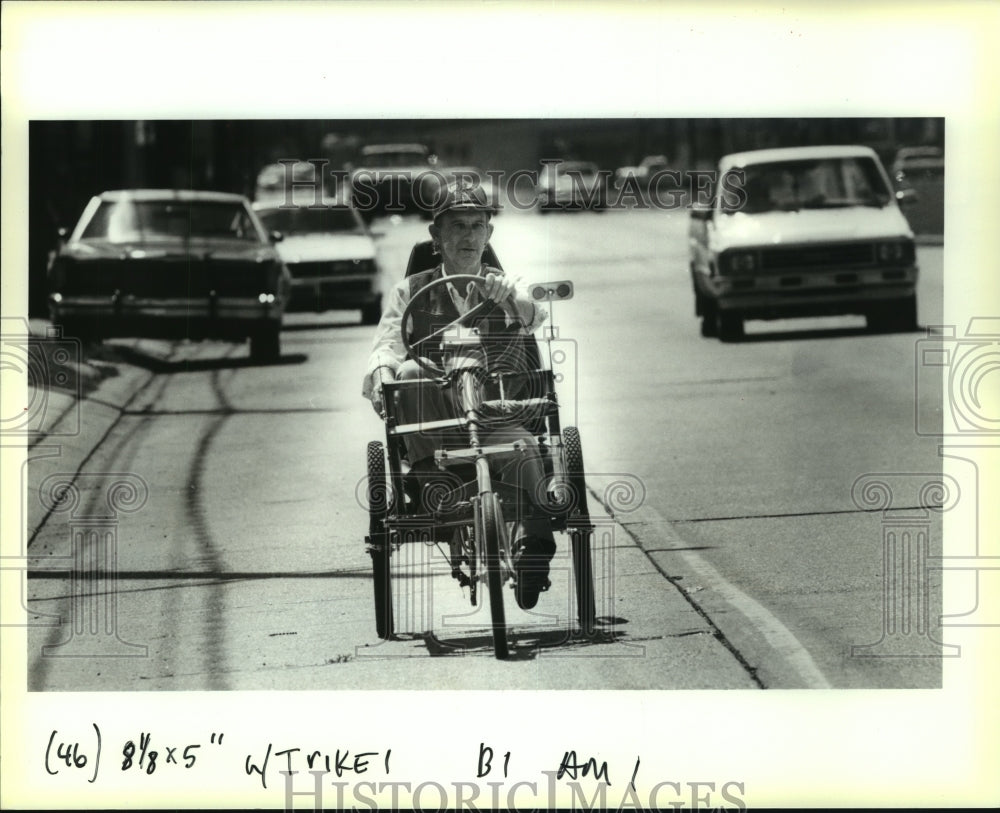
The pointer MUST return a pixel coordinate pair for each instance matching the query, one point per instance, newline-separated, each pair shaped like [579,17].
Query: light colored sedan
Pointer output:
[330,255]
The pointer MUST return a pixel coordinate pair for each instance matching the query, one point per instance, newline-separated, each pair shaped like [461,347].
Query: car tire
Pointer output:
[896,316]
[265,344]
[905,315]
[371,313]
[708,326]
[728,325]
[76,330]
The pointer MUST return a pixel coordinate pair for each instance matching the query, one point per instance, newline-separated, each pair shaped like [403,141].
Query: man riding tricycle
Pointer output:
[475,461]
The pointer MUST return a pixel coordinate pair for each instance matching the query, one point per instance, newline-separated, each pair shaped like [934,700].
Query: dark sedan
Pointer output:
[170,264]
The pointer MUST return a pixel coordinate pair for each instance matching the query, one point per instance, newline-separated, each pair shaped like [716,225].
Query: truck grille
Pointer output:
[773,259]
[311,270]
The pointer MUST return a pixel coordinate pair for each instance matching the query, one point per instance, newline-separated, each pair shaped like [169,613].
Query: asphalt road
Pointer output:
[741,560]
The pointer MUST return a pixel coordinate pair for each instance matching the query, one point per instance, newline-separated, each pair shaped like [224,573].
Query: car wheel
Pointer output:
[372,312]
[905,314]
[897,316]
[76,330]
[265,344]
[728,326]
[705,308]
[708,326]
[875,320]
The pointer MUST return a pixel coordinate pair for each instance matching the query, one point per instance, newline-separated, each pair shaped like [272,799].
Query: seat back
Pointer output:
[423,256]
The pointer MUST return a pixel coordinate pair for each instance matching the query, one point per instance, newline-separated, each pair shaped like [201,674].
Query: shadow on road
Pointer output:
[815,333]
[525,645]
[304,326]
[155,364]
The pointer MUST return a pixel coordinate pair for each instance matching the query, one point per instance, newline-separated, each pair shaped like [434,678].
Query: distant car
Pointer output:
[173,264]
[330,255]
[386,176]
[571,185]
[918,173]
[648,167]
[803,231]
[916,161]
[433,184]
[279,181]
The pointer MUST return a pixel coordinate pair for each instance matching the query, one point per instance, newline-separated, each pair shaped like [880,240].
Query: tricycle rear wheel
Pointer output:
[378,539]
[580,528]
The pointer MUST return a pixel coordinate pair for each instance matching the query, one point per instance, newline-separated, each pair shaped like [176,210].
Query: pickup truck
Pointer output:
[802,231]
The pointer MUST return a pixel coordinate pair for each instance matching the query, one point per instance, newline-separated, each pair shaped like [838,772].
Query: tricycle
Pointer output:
[471,517]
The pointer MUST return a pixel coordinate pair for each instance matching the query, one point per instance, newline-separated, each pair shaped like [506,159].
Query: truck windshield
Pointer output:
[302,220]
[828,183]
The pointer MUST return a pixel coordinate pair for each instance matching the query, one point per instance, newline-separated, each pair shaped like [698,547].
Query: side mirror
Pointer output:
[277,236]
[907,197]
[376,235]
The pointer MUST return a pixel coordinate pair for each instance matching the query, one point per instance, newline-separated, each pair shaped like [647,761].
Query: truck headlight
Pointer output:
[894,253]
[742,262]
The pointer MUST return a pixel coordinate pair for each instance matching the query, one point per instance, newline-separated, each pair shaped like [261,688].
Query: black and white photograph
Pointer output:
[613,433]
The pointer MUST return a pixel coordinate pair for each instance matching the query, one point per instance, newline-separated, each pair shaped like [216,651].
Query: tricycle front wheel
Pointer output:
[490,535]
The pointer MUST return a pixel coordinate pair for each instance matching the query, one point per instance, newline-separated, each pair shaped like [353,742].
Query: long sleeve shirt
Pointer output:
[388,353]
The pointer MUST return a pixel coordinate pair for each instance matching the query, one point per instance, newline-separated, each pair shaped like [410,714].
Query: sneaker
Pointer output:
[531,564]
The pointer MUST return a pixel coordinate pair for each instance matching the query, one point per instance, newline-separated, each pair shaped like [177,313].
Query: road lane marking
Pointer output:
[777,635]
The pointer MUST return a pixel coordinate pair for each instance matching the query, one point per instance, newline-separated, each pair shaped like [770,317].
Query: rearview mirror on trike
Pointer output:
[550,291]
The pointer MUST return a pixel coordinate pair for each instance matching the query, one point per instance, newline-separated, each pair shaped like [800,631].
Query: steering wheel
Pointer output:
[413,350]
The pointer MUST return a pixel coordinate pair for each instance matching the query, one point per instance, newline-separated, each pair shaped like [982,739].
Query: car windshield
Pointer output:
[788,186]
[303,220]
[455,173]
[128,220]
[395,158]
[581,167]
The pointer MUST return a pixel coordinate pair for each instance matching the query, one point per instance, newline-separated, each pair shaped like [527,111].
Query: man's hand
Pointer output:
[376,398]
[381,374]
[499,287]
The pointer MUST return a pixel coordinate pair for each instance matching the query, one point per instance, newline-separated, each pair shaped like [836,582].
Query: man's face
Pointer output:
[462,236]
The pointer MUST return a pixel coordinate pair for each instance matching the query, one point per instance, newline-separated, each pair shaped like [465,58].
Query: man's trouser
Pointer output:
[521,469]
